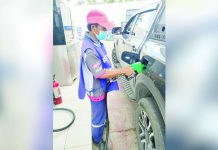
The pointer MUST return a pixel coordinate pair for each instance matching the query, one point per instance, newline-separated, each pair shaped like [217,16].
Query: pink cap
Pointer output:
[97,16]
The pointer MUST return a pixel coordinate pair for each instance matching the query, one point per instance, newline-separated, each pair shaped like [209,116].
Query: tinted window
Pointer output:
[129,25]
[142,26]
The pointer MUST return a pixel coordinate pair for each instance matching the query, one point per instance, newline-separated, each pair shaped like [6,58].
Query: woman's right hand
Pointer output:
[128,71]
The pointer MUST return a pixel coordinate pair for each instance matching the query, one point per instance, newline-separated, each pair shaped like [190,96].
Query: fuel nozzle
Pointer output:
[134,60]
[138,67]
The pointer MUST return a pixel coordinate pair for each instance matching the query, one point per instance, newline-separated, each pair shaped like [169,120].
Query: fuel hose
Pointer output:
[69,124]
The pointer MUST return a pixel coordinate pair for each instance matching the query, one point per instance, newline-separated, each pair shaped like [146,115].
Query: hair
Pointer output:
[89,26]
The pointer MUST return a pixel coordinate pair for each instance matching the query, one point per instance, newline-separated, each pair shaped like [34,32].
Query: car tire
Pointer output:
[114,58]
[149,126]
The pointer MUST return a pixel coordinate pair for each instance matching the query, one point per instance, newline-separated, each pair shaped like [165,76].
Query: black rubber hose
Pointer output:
[68,125]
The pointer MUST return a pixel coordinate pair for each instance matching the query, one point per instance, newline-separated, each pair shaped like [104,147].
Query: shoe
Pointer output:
[101,145]
[94,146]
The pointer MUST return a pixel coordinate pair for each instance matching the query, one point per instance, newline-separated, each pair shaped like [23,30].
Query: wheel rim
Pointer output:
[145,132]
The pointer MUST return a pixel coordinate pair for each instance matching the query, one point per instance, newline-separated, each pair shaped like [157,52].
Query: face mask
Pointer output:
[102,35]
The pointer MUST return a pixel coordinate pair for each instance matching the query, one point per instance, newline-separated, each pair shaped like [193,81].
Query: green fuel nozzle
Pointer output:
[138,67]
[137,64]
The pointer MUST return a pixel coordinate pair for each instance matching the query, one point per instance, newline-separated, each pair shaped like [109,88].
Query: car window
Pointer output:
[142,26]
[129,26]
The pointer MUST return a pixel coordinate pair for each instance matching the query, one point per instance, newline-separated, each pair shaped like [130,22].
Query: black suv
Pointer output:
[144,37]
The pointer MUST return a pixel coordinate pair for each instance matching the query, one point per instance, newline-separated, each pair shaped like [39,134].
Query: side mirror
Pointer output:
[117,30]
[130,57]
